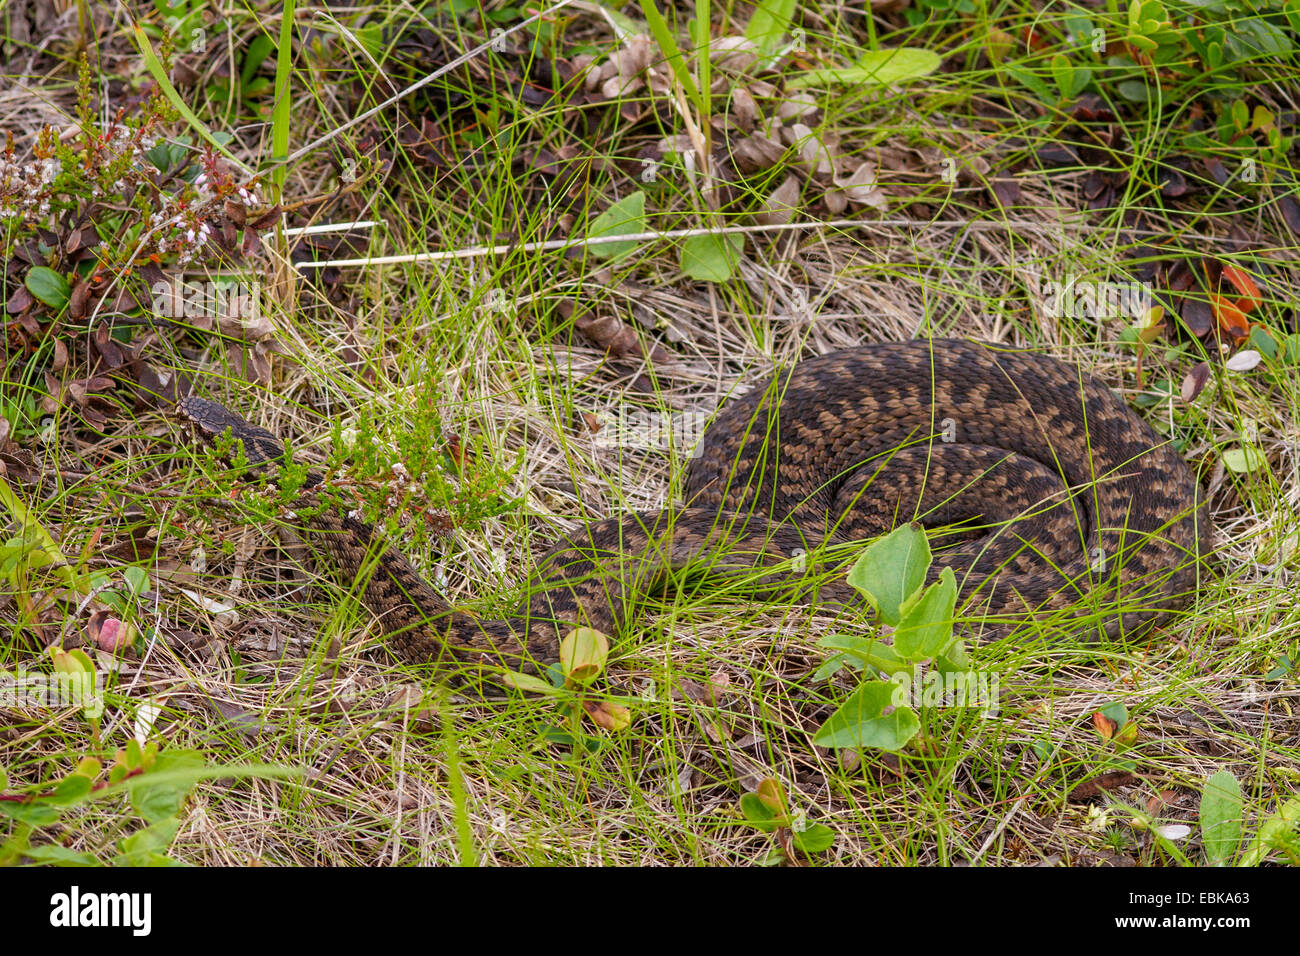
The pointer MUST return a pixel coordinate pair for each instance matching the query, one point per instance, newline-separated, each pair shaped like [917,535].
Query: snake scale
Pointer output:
[1053,490]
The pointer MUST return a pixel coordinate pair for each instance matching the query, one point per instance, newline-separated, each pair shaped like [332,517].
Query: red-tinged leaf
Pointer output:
[1032,40]
[113,635]
[1244,284]
[1195,381]
[772,794]
[1230,318]
[607,715]
[1105,726]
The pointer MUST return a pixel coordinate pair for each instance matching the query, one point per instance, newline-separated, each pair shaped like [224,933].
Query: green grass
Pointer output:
[397,768]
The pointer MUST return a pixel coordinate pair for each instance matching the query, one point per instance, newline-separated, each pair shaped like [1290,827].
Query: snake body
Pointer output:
[1057,491]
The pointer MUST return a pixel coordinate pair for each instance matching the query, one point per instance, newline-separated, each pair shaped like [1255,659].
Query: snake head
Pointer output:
[212,420]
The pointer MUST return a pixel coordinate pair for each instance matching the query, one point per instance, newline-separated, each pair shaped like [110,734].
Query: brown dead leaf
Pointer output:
[735,54]
[615,336]
[1006,190]
[1217,170]
[1290,212]
[240,719]
[252,363]
[455,448]
[1194,382]
[1091,789]
[19,301]
[861,187]
[756,152]
[1159,802]
[782,204]
[1198,316]
[743,108]
[815,152]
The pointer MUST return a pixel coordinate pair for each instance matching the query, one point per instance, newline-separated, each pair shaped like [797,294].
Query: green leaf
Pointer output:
[829,667]
[583,653]
[768,25]
[71,789]
[625,217]
[1082,77]
[48,286]
[39,813]
[1063,74]
[136,578]
[710,257]
[759,814]
[1029,80]
[44,552]
[155,797]
[530,684]
[859,722]
[1116,712]
[954,659]
[146,847]
[869,651]
[815,839]
[259,48]
[1135,91]
[282,108]
[1283,667]
[926,628]
[1221,812]
[1243,460]
[877,68]
[54,855]
[891,571]
[1274,833]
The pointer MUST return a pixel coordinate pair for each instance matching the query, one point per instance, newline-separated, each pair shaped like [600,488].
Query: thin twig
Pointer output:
[474,252]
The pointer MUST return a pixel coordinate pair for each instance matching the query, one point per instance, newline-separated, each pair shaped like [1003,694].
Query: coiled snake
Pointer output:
[1057,489]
